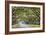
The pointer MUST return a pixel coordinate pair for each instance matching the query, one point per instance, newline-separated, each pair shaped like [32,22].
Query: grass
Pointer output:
[33,25]
[29,26]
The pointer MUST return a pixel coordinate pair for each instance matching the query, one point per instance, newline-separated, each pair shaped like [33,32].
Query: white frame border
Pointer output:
[25,29]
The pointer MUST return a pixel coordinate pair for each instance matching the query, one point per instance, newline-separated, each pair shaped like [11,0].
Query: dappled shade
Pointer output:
[28,15]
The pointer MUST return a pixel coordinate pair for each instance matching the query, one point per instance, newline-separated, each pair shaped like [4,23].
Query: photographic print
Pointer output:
[25,17]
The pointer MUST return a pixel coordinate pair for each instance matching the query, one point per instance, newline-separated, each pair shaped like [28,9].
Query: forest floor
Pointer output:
[25,26]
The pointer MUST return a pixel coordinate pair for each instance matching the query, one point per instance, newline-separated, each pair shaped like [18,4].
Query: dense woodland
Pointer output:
[31,15]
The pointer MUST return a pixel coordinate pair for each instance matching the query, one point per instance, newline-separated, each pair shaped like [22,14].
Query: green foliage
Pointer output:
[26,13]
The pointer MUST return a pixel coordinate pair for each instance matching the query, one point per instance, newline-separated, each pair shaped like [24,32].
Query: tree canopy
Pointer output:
[26,14]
